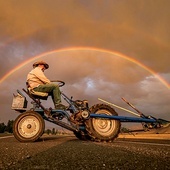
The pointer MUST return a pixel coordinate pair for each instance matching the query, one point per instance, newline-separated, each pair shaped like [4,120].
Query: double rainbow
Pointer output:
[83,49]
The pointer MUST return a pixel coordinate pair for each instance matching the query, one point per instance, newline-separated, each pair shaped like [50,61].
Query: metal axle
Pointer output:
[123,118]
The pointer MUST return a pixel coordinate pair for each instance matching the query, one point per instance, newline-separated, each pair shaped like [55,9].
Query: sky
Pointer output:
[101,49]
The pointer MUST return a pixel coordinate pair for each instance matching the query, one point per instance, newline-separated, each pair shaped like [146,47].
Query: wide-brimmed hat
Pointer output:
[41,63]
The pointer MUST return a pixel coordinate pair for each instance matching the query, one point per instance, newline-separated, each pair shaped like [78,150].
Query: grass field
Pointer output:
[145,136]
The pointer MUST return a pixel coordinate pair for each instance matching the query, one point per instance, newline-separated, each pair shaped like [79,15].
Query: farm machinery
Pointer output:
[99,122]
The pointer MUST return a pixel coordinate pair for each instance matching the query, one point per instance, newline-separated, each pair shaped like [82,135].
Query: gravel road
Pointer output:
[67,152]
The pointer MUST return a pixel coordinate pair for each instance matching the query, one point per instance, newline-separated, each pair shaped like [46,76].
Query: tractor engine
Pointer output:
[81,104]
[83,111]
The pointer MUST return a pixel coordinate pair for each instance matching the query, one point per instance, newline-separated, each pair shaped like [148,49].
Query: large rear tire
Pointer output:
[82,135]
[101,129]
[28,127]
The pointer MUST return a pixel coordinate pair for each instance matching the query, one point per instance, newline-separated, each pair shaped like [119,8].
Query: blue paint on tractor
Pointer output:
[123,118]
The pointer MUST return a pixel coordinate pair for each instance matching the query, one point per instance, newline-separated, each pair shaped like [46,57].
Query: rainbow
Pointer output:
[83,49]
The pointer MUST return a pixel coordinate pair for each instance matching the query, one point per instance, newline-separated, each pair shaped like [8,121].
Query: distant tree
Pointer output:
[2,127]
[53,131]
[9,127]
[48,131]
[124,130]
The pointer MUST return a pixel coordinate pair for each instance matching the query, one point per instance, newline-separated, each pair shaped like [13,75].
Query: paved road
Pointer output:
[67,152]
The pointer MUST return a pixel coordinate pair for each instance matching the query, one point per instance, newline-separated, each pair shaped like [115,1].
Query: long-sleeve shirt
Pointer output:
[36,77]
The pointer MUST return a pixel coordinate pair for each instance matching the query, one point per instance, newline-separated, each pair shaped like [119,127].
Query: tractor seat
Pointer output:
[38,95]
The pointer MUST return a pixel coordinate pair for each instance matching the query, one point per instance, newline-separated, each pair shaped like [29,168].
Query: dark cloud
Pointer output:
[139,29]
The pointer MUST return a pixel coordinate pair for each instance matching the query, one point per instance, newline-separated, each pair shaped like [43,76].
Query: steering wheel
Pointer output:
[60,83]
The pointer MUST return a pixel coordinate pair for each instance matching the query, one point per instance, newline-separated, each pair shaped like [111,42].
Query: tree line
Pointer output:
[7,128]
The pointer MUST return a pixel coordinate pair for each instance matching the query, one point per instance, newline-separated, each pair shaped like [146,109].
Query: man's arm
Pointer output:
[39,73]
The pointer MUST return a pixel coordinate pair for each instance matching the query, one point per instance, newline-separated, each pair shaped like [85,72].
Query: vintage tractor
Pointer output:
[97,123]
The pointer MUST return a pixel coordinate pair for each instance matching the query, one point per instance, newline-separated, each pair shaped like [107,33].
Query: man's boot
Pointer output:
[60,107]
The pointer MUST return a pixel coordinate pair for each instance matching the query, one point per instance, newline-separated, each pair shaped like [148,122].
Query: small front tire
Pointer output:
[28,127]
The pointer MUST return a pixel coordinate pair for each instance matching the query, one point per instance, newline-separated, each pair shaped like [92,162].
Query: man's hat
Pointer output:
[41,63]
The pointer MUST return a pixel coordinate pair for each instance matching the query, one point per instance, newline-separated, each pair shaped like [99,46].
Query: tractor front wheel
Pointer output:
[28,127]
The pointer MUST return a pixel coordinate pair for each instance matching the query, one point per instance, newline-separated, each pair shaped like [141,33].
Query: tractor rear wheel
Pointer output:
[101,129]
[82,135]
[28,127]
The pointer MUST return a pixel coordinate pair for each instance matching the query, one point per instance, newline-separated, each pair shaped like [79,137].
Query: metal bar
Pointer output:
[62,124]
[53,111]
[34,99]
[58,122]
[122,118]
[20,93]
[140,113]
[119,107]
[45,110]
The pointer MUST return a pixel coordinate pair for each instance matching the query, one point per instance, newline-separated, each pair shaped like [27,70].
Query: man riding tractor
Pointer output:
[38,82]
